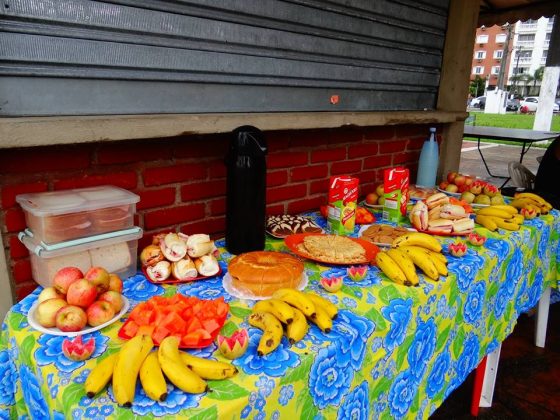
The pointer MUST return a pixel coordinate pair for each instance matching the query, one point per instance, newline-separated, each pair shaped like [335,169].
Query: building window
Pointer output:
[526,37]
[482,39]
[480,55]
[546,37]
[496,70]
[545,53]
[501,38]
[478,70]
[498,54]
[519,70]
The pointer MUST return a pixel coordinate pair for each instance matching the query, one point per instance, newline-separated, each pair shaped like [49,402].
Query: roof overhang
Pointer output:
[500,12]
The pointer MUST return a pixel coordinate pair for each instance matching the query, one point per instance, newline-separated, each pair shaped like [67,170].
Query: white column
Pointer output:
[543,118]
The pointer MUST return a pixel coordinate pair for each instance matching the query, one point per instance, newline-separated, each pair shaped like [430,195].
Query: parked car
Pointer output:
[532,103]
[476,102]
[512,105]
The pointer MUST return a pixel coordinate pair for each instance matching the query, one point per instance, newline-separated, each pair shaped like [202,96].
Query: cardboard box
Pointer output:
[395,184]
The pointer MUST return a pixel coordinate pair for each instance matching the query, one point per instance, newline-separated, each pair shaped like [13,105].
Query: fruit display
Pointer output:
[137,360]
[195,321]
[530,204]
[499,216]
[457,249]
[288,313]
[285,224]
[331,284]
[476,239]
[357,272]
[174,257]
[409,251]
[472,190]
[77,300]
[437,215]
[75,349]
[376,198]
[234,346]
[383,234]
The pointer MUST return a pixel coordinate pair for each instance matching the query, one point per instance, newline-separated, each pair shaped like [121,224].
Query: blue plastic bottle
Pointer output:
[429,160]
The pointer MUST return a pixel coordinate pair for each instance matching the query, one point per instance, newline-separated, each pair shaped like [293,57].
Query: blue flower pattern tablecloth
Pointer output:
[393,352]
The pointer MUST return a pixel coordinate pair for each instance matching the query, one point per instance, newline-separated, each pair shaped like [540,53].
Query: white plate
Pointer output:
[56,331]
[374,206]
[228,287]
[452,194]
[380,244]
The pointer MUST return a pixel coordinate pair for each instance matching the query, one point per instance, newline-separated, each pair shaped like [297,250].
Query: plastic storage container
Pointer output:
[70,214]
[114,251]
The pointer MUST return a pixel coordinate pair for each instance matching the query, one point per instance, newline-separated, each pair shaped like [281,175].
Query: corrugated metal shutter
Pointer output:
[79,57]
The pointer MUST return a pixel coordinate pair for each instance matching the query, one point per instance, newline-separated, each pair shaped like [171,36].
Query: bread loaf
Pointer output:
[113,258]
[261,273]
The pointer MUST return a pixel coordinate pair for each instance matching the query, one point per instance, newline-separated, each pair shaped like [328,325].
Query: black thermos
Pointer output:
[246,191]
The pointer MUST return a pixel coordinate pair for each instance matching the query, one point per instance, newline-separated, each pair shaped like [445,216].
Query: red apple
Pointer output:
[468,180]
[99,277]
[115,283]
[380,190]
[372,198]
[45,314]
[65,277]
[464,188]
[451,177]
[49,293]
[71,318]
[114,298]
[443,185]
[99,312]
[81,293]
[476,188]
[459,180]
[452,188]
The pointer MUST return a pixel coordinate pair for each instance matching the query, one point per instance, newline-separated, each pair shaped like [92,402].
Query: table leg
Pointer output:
[477,387]
[486,165]
[490,375]
[541,320]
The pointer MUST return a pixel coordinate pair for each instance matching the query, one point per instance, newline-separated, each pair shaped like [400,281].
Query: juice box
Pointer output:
[395,184]
[343,200]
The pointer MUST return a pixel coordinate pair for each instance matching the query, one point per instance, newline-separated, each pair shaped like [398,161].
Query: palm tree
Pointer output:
[537,77]
[527,78]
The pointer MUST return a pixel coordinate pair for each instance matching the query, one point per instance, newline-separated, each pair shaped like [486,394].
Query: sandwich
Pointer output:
[184,269]
[199,245]
[207,265]
[435,200]
[434,213]
[173,247]
[419,216]
[452,211]
[464,225]
[151,255]
[440,226]
[159,272]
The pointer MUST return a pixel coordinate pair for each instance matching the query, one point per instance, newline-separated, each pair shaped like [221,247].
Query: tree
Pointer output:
[538,75]
[477,85]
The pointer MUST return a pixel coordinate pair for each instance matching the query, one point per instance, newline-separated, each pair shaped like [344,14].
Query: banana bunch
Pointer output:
[136,359]
[499,216]
[288,313]
[408,252]
[531,201]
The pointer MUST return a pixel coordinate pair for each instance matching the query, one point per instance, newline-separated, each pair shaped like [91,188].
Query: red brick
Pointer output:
[203,190]
[45,159]
[290,192]
[217,207]
[362,150]
[156,198]
[346,167]
[9,192]
[202,146]
[22,271]
[22,290]
[377,161]
[17,249]
[310,138]
[346,136]
[275,209]
[217,169]
[392,146]
[405,157]
[328,155]
[321,186]
[172,216]
[276,178]
[277,140]
[173,174]
[209,226]
[286,160]
[309,172]
[415,143]
[125,152]
[309,204]
[366,176]
[15,220]
[380,133]
[126,180]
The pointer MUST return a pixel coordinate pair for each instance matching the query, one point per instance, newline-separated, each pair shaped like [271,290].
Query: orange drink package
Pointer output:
[395,184]
[343,201]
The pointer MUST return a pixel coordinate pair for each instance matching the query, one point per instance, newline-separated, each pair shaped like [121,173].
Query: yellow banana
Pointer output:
[491,211]
[405,264]
[505,224]
[518,218]
[322,320]
[438,264]
[487,222]
[505,207]
[438,255]
[297,299]
[326,304]
[151,378]
[522,203]
[176,371]
[390,267]
[207,368]
[127,366]
[100,376]
[534,197]
[422,260]
[276,307]
[416,238]
[298,328]
[272,331]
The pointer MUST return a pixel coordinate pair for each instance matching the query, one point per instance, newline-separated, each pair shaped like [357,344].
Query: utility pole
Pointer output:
[505,53]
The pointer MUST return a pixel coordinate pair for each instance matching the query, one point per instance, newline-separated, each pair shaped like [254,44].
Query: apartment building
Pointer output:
[488,52]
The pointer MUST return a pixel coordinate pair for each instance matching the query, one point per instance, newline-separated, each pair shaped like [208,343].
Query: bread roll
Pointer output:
[261,273]
[184,269]
[159,272]
[207,265]
[173,247]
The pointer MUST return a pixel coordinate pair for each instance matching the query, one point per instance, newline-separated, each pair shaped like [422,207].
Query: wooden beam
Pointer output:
[455,76]
[44,131]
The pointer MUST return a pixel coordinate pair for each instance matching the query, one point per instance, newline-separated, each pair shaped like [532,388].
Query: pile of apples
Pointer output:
[76,299]
[472,190]
[376,198]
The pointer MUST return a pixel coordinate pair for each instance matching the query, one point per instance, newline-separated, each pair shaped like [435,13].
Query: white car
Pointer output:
[532,103]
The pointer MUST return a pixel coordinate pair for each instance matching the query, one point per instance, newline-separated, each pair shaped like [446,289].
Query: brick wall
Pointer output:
[182,181]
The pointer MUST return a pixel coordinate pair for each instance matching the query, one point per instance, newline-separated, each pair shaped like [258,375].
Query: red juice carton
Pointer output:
[395,184]
[343,201]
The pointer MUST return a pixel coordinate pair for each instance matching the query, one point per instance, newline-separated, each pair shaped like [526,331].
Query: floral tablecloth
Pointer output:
[393,352]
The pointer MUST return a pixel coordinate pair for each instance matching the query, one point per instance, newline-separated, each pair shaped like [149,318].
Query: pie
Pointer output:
[285,224]
[332,248]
